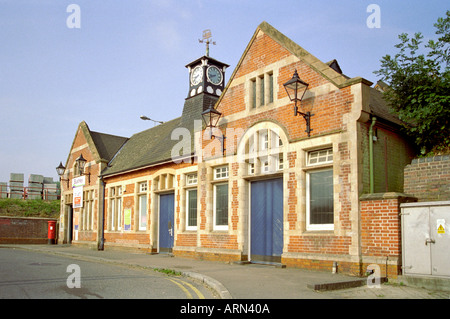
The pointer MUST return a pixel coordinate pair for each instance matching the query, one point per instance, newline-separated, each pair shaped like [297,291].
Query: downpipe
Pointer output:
[371,172]
[101,245]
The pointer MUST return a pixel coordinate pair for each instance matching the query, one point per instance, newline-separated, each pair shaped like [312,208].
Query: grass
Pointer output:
[168,271]
[29,208]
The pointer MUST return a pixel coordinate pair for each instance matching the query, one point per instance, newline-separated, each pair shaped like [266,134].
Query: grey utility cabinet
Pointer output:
[426,238]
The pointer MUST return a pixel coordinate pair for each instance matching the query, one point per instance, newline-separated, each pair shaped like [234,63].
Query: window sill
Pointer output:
[189,231]
[324,232]
[317,167]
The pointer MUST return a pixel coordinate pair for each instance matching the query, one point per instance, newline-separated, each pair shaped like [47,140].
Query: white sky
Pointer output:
[128,58]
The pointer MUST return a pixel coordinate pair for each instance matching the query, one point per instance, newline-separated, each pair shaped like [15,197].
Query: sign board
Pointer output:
[78,181]
[78,197]
[127,219]
[440,225]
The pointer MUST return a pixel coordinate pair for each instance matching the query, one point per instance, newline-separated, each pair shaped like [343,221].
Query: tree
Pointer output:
[419,87]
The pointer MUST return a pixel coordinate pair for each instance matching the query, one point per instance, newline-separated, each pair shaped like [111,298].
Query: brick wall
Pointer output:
[428,178]
[17,230]
[381,230]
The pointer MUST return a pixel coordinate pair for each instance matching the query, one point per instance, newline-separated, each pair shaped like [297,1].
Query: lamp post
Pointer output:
[211,117]
[60,169]
[145,118]
[296,88]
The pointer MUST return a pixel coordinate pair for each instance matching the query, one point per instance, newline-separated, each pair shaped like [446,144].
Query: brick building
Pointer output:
[256,187]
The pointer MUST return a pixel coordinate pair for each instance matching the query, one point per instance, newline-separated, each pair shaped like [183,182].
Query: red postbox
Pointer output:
[51,231]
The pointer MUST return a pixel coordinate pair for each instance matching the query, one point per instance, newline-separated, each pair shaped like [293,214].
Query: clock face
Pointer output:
[214,75]
[196,75]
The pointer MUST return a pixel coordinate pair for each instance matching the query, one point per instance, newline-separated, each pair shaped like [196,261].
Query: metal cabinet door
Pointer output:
[440,248]
[415,236]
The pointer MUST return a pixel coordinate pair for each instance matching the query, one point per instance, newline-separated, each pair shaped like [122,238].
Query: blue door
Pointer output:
[166,222]
[266,220]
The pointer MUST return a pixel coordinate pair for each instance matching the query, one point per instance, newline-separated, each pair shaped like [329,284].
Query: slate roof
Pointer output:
[380,108]
[107,145]
[144,148]
[154,146]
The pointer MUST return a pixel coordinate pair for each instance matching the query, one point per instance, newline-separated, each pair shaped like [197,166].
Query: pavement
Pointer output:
[248,281]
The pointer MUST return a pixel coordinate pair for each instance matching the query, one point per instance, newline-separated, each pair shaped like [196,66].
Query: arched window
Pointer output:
[263,149]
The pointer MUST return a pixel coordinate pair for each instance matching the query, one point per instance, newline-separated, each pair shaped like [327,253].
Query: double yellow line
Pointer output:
[180,284]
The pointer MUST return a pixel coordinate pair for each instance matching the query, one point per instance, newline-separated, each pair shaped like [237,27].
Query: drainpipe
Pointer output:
[371,173]
[101,245]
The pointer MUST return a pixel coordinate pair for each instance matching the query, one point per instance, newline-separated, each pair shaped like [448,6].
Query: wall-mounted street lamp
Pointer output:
[60,169]
[211,117]
[296,89]
[81,163]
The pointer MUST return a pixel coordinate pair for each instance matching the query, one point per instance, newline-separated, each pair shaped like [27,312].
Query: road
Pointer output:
[32,275]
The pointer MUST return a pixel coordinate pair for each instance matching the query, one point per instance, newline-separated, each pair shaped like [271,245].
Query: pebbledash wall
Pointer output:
[265,141]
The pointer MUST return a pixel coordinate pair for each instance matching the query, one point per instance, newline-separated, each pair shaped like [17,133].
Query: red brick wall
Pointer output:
[322,244]
[264,51]
[223,241]
[428,178]
[16,230]
[380,227]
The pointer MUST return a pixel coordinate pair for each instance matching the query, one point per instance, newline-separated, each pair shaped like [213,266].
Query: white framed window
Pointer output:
[221,172]
[119,208]
[251,168]
[264,140]
[320,157]
[142,212]
[115,208]
[280,162]
[142,202]
[87,215]
[191,179]
[191,209]
[112,211]
[221,206]
[261,90]
[143,187]
[265,168]
[319,191]
[319,201]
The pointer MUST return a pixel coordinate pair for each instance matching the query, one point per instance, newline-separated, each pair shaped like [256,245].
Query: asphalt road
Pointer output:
[32,275]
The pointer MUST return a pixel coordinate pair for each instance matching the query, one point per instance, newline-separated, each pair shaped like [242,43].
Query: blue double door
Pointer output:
[166,222]
[266,220]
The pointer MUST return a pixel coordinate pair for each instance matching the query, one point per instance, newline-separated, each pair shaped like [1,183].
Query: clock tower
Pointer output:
[206,76]
[206,84]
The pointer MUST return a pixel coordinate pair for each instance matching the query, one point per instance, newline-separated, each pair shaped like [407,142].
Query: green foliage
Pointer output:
[419,90]
[29,208]
[169,272]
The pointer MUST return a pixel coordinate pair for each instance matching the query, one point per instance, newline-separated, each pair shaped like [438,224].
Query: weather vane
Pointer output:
[206,36]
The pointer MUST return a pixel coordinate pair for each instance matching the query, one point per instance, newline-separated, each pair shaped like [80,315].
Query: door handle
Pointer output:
[170,229]
[429,240]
